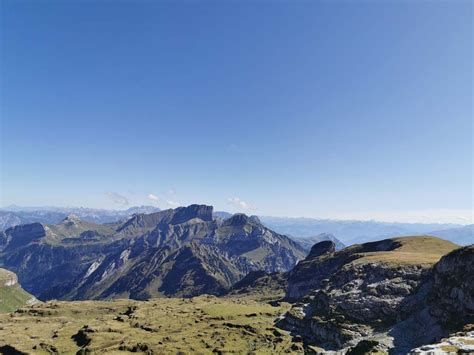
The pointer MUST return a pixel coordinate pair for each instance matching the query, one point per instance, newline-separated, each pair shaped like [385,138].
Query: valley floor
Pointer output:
[204,324]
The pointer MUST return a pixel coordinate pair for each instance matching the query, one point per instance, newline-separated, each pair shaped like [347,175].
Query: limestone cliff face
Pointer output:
[364,290]
[22,235]
[444,308]
[451,295]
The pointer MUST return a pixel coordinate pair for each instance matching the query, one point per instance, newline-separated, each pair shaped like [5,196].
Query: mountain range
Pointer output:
[389,296]
[180,252]
[347,232]
[14,215]
[351,232]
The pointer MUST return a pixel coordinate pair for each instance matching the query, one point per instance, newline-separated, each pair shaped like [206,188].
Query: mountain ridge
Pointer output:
[77,259]
[347,231]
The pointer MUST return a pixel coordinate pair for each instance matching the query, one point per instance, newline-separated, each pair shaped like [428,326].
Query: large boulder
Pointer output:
[321,248]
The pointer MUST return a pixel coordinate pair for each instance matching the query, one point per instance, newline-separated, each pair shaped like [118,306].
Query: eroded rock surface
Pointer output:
[366,292]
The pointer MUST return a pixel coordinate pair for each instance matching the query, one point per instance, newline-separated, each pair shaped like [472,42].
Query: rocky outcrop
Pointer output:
[308,242]
[365,290]
[442,308]
[322,248]
[460,343]
[451,295]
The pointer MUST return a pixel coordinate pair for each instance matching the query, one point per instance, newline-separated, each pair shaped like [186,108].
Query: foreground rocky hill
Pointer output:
[177,252]
[396,293]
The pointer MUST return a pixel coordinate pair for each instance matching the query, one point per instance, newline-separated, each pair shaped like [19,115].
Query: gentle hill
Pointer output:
[417,250]
[12,296]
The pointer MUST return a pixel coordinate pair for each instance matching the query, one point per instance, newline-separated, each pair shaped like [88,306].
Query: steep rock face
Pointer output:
[451,296]
[199,269]
[49,271]
[21,235]
[181,252]
[263,249]
[441,308]
[361,290]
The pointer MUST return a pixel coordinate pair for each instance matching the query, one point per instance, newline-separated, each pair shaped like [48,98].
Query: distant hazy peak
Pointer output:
[255,219]
[71,218]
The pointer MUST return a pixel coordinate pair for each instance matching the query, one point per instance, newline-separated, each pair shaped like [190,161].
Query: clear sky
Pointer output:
[343,109]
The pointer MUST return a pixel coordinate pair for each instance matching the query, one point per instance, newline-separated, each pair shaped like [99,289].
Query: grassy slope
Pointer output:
[171,325]
[11,297]
[423,250]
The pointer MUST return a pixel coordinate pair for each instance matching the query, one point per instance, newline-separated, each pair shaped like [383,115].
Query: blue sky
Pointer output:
[342,109]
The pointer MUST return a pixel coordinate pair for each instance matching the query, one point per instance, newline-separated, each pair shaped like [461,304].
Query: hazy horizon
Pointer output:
[414,217]
[341,110]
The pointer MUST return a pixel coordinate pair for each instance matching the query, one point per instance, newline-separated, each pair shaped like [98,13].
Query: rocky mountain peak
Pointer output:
[240,219]
[24,234]
[321,248]
[183,214]
[255,219]
[171,216]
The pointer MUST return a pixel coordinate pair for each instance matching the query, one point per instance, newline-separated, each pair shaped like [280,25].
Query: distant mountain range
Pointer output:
[462,235]
[181,252]
[14,215]
[354,232]
[346,232]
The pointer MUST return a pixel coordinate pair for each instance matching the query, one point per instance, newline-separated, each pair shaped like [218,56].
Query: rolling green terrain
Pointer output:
[202,325]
